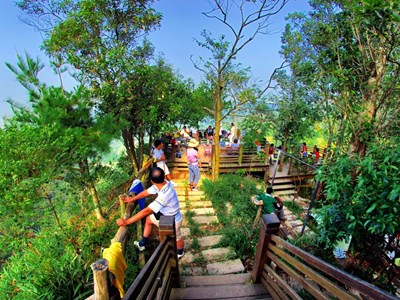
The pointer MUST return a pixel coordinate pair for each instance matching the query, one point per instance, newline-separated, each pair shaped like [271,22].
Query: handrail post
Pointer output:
[122,204]
[270,225]
[100,275]
[167,228]
[240,158]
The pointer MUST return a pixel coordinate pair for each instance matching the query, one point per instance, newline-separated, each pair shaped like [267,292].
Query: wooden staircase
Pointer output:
[235,286]
[209,271]
[283,186]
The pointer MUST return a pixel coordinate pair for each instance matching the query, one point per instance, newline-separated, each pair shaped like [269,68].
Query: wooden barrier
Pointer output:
[317,277]
[161,272]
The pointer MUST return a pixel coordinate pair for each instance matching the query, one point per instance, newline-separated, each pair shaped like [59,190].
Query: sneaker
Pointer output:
[195,189]
[173,183]
[180,255]
[141,248]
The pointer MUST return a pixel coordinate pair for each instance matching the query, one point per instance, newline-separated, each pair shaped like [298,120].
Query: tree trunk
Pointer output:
[217,117]
[130,148]
[96,200]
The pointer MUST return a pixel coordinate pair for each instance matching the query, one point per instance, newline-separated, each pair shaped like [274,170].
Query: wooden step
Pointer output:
[282,187]
[233,291]
[286,192]
[188,281]
[278,181]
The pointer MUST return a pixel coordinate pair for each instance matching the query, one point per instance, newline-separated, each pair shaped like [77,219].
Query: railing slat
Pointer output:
[161,271]
[270,282]
[269,288]
[361,286]
[315,291]
[281,283]
[162,292]
[317,277]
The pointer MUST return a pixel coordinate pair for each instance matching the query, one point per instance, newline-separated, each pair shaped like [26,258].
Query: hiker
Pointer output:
[271,154]
[303,152]
[271,204]
[193,164]
[166,204]
[233,147]
[233,134]
[209,133]
[159,158]
[316,154]
[185,134]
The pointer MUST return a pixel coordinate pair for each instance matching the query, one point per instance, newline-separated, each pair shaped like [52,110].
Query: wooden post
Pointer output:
[100,272]
[167,228]
[122,204]
[266,161]
[270,225]
[240,158]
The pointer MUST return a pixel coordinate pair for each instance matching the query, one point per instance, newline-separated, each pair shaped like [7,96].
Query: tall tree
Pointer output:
[230,82]
[100,39]
[352,49]
[72,113]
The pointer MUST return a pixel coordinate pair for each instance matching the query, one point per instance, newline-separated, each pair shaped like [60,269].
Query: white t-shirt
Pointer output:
[185,134]
[166,202]
[157,154]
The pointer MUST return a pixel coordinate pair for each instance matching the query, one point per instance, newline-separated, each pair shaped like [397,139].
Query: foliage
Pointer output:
[364,199]
[230,81]
[48,268]
[235,191]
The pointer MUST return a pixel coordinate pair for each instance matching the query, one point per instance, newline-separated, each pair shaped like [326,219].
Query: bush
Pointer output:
[50,268]
[238,222]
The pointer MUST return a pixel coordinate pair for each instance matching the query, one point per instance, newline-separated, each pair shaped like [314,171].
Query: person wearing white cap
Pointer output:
[193,164]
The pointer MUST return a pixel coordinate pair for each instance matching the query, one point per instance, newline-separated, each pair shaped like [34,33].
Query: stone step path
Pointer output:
[203,255]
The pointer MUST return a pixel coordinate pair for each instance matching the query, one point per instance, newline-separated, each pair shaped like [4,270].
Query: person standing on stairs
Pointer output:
[159,158]
[271,154]
[166,204]
[193,164]
[233,134]
[271,204]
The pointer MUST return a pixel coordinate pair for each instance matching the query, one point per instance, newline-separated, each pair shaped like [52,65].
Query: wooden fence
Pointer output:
[276,260]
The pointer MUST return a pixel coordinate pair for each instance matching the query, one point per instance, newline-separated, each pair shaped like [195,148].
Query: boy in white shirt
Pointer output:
[159,157]
[166,204]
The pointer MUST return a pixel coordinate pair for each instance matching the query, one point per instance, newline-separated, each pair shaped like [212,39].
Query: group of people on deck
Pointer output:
[166,201]
[315,152]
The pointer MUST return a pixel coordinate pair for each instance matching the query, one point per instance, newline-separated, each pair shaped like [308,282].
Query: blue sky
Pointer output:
[182,22]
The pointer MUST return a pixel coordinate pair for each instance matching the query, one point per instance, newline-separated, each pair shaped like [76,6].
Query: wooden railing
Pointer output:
[161,272]
[158,276]
[317,277]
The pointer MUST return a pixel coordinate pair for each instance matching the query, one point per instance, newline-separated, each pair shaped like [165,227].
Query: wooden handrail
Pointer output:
[318,277]
[161,272]
[100,267]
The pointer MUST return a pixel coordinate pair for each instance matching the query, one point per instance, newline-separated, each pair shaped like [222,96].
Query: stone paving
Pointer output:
[208,258]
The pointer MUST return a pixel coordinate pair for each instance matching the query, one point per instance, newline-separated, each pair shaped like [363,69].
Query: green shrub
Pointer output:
[50,268]
[238,221]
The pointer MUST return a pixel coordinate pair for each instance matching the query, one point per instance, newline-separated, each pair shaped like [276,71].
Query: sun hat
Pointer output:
[193,143]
